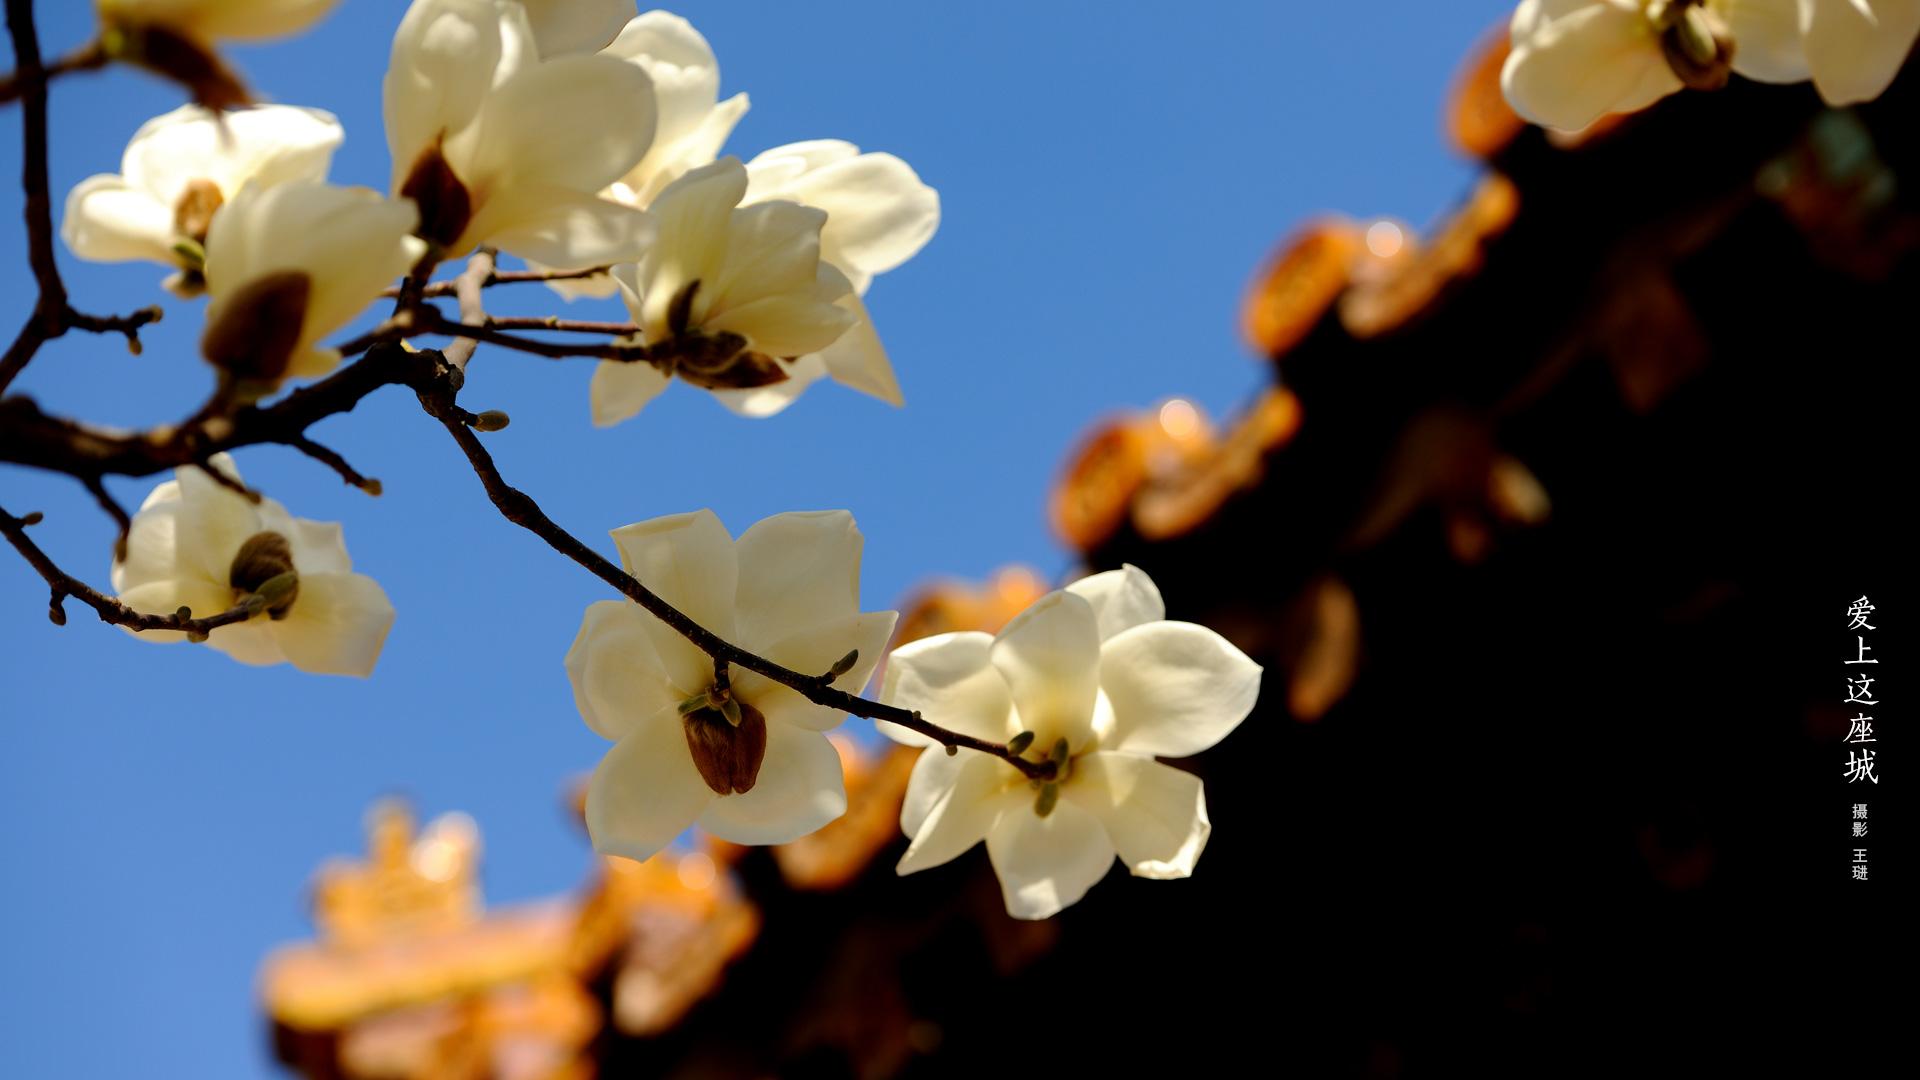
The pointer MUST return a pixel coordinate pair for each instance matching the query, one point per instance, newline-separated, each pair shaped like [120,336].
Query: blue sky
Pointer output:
[1111,175]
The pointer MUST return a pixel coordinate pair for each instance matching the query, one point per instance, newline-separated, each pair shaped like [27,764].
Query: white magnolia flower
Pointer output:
[500,147]
[1574,61]
[198,545]
[741,302]
[566,27]
[180,169]
[1851,49]
[207,20]
[788,590]
[290,264]
[1096,667]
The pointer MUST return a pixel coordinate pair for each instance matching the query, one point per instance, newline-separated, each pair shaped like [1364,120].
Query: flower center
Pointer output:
[446,207]
[259,327]
[193,213]
[716,360]
[727,738]
[263,570]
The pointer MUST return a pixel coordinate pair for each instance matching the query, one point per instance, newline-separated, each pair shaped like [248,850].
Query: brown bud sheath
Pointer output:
[445,206]
[728,757]
[1699,49]
[254,339]
[266,556]
[193,214]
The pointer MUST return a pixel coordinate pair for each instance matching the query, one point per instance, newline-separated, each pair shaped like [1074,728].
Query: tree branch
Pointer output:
[505,277]
[109,609]
[89,57]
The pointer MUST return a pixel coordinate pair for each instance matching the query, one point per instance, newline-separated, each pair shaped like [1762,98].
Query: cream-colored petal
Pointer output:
[1572,70]
[800,788]
[266,144]
[1048,863]
[791,324]
[108,221]
[1155,814]
[932,778]
[242,19]
[618,683]
[693,216]
[797,569]
[1050,657]
[153,542]
[620,390]
[681,66]
[576,122]
[688,561]
[879,213]
[443,62]
[318,546]
[212,521]
[667,161]
[857,358]
[562,27]
[982,790]
[1176,688]
[772,170]
[950,680]
[644,793]
[1122,599]
[1766,38]
[813,650]
[560,228]
[773,249]
[1854,48]
[252,643]
[337,626]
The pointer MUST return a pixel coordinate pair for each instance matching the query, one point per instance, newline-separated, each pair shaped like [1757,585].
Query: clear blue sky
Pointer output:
[1111,175]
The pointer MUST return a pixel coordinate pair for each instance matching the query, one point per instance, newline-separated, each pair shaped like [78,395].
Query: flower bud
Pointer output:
[1019,743]
[193,213]
[1048,798]
[844,664]
[727,754]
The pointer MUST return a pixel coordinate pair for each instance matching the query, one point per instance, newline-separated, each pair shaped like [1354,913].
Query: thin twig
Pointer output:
[550,322]
[50,309]
[109,609]
[332,459]
[431,322]
[439,289]
[88,57]
[467,287]
[121,519]
[128,325]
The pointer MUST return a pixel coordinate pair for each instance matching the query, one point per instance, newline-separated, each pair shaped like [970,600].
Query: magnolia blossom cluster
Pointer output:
[1574,61]
[581,136]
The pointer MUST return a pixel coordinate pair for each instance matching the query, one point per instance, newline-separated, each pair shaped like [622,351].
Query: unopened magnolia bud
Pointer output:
[1048,798]
[264,569]
[33,517]
[952,750]
[193,213]
[1699,48]
[844,664]
[491,420]
[444,204]
[727,754]
[372,486]
[258,328]
[1019,743]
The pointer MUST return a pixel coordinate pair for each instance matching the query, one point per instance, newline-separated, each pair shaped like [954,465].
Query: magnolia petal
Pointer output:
[644,793]
[576,122]
[1050,656]
[815,649]
[1155,814]
[620,390]
[770,171]
[252,643]
[1122,599]
[1854,48]
[255,19]
[692,215]
[668,161]
[786,325]
[1571,70]
[560,228]
[773,248]
[680,64]
[618,684]
[797,569]
[932,777]
[800,789]
[444,57]
[879,213]
[561,27]
[858,359]
[982,789]
[153,546]
[266,145]
[212,521]
[164,596]
[1176,688]
[950,680]
[687,560]
[337,626]
[1047,863]
[106,220]
[1766,37]
[319,547]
